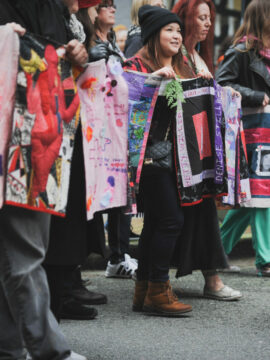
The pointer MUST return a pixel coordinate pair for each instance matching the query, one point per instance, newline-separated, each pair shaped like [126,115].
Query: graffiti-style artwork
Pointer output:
[44,125]
[9,49]
[104,114]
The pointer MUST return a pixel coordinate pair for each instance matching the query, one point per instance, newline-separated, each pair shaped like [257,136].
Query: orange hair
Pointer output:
[120,27]
[185,9]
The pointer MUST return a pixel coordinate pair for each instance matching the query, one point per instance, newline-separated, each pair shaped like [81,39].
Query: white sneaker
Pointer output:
[134,276]
[125,269]
[129,258]
[75,356]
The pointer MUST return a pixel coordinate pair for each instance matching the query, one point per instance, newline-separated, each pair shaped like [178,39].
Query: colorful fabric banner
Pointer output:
[43,130]
[236,157]
[199,148]
[9,50]
[256,122]
[202,171]
[104,114]
[143,93]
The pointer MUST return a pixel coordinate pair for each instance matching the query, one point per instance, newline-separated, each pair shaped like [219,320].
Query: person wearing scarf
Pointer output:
[246,68]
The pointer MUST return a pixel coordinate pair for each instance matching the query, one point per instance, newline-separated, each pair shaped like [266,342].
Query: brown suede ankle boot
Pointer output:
[160,300]
[139,295]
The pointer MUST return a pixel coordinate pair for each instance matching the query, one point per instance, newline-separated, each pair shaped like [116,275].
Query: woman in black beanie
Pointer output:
[161,55]
[164,217]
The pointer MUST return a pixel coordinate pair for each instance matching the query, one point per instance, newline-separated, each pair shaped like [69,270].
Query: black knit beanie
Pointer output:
[153,18]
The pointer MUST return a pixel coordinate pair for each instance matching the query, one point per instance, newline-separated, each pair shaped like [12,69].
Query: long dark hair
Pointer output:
[152,55]
[84,18]
[256,24]
[97,25]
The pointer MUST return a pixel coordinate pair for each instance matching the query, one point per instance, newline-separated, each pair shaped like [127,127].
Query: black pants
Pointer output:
[163,222]
[118,234]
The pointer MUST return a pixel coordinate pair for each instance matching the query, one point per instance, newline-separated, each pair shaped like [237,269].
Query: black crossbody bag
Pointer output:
[160,154]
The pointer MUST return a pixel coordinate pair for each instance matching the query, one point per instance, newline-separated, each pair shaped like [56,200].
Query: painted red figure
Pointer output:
[46,99]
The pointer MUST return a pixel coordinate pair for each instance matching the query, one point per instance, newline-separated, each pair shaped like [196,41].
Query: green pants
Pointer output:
[236,222]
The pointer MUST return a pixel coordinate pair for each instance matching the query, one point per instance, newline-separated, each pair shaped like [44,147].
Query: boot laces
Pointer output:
[171,295]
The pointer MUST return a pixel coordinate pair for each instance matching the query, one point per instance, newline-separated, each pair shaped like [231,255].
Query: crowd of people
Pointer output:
[41,255]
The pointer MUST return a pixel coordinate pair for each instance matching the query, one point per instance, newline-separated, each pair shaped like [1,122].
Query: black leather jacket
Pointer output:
[246,72]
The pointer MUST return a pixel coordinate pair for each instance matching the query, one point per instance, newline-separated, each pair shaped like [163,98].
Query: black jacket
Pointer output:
[48,18]
[134,41]
[246,72]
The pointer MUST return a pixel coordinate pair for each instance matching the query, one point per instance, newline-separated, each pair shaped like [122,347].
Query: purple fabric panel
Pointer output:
[136,83]
[219,163]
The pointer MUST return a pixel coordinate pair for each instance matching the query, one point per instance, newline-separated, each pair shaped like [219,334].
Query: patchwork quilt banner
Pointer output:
[104,114]
[143,94]
[43,129]
[256,122]
[210,151]
[199,147]
[9,49]
[236,155]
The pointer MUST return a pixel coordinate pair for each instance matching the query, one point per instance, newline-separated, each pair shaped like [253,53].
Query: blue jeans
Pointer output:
[25,316]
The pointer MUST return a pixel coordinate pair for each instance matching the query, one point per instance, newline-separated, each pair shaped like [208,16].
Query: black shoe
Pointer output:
[132,235]
[74,310]
[86,281]
[84,296]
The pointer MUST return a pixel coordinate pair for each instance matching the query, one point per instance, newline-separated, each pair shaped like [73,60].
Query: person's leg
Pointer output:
[164,210]
[119,264]
[56,278]
[162,206]
[142,273]
[214,286]
[124,231]
[11,343]
[114,236]
[260,227]
[233,226]
[63,304]
[23,243]
[144,249]
[80,293]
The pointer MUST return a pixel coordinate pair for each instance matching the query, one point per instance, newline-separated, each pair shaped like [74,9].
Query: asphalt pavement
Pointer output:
[214,330]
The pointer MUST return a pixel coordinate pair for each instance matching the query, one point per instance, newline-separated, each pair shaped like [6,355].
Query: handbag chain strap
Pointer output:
[168,131]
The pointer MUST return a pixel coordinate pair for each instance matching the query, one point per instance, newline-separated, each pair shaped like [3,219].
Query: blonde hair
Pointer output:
[136,4]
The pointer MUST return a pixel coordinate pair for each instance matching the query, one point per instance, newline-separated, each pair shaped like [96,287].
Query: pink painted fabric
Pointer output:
[104,114]
[9,50]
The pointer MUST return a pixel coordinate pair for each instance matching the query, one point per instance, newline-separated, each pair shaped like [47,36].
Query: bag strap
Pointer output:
[168,130]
